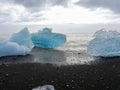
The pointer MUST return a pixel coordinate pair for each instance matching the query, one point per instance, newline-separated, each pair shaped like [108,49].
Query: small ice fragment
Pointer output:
[45,87]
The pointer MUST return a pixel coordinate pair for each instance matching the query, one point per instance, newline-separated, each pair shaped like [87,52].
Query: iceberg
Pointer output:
[105,44]
[47,39]
[45,87]
[19,44]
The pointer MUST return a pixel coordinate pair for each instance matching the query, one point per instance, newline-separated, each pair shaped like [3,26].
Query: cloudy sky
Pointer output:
[47,12]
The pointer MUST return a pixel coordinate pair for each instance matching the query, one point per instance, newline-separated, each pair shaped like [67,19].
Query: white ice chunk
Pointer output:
[45,87]
[19,44]
[105,43]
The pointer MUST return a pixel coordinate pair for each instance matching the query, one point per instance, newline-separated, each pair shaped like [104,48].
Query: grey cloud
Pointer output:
[35,17]
[35,3]
[32,9]
[40,4]
[113,5]
[5,17]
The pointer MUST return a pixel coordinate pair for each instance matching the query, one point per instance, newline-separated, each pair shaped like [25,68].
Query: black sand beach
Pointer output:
[104,75]
[67,68]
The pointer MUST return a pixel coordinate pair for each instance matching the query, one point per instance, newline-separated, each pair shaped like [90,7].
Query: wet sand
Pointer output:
[102,74]
[53,56]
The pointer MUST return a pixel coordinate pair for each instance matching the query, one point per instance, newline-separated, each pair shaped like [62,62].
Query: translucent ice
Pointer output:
[19,44]
[23,38]
[105,43]
[45,87]
[48,39]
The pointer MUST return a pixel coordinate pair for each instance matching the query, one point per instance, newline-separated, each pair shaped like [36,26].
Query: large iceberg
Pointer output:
[48,39]
[105,43]
[19,44]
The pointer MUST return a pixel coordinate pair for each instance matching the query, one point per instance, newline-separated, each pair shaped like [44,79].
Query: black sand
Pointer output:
[102,76]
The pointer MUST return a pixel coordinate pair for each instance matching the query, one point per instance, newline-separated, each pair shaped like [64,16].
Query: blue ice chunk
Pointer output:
[23,38]
[105,43]
[48,39]
[19,44]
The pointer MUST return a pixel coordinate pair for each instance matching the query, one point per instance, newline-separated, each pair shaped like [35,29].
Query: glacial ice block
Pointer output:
[45,87]
[19,44]
[105,43]
[23,38]
[48,39]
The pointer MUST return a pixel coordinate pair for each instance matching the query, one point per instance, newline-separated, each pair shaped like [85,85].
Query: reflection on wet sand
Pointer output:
[16,59]
[59,57]
[38,55]
[48,56]
[102,60]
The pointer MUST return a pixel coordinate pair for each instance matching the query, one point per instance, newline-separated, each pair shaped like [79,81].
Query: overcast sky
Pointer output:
[47,12]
